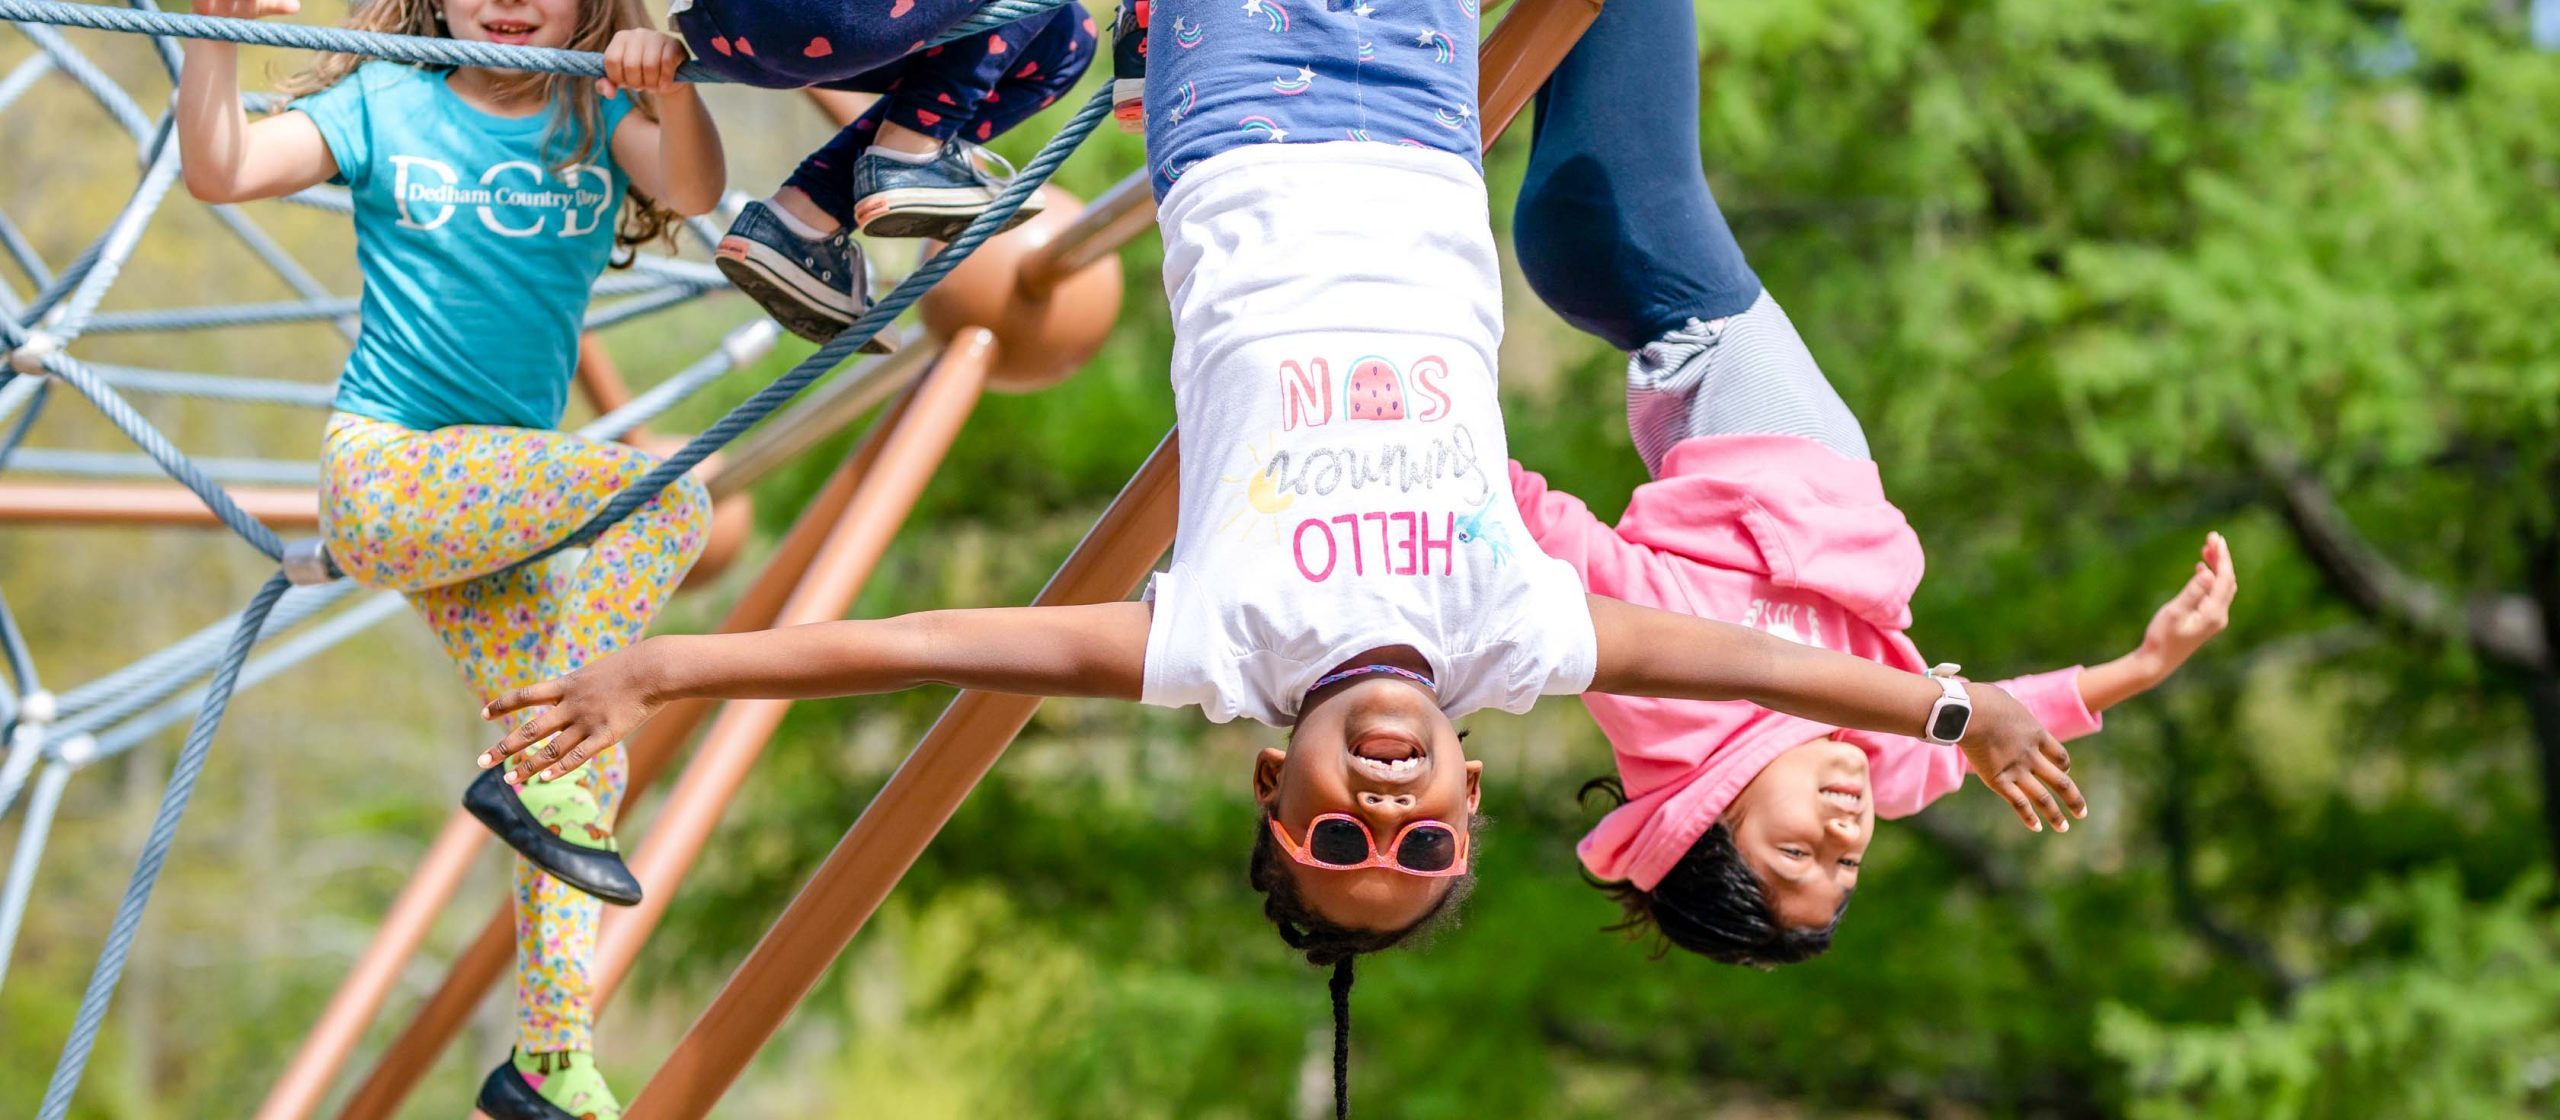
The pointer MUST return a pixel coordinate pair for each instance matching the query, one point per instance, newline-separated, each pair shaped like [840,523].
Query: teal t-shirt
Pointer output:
[476,253]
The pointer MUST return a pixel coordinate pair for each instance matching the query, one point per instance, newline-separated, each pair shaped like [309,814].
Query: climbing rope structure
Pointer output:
[1016,312]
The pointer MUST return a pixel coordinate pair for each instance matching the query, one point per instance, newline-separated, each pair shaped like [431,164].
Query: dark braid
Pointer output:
[1342,1039]
[1326,943]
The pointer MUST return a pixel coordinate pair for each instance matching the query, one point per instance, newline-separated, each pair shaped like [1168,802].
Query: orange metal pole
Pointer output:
[936,777]
[480,965]
[962,746]
[150,503]
[738,737]
[1111,221]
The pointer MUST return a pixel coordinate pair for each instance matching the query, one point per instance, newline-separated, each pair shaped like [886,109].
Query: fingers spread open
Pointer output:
[548,692]
[2052,775]
[2017,799]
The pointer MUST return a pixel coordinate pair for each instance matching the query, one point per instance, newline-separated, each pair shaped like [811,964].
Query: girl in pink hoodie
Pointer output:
[1740,829]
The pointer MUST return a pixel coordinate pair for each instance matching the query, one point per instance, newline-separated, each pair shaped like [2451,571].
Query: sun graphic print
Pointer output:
[1262,499]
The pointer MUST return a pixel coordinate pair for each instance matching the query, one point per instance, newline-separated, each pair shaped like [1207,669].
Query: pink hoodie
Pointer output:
[1777,533]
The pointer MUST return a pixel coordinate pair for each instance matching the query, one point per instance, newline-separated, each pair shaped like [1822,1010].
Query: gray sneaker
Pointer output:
[936,200]
[815,289]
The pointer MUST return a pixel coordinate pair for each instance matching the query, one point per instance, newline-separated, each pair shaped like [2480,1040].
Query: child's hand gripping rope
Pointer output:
[640,59]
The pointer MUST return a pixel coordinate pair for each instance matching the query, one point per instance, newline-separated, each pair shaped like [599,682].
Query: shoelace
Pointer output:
[976,158]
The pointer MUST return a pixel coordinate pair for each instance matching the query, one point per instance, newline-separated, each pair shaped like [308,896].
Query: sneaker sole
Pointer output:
[769,279]
[930,212]
[1129,103]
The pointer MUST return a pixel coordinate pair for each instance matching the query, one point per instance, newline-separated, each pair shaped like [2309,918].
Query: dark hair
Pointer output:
[1711,903]
[1327,943]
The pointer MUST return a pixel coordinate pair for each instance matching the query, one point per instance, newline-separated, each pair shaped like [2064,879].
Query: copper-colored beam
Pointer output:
[1111,221]
[150,503]
[738,737]
[975,730]
[413,914]
[480,965]
[1520,52]
[901,820]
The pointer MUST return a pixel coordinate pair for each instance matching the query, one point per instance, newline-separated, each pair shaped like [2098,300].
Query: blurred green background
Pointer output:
[2098,276]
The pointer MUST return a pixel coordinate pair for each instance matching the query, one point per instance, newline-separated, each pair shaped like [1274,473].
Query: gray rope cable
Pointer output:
[409,48]
[84,284]
[32,833]
[23,251]
[30,70]
[843,345]
[321,310]
[155,852]
[216,386]
[147,681]
[78,67]
[171,460]
[275,659]
[121,465]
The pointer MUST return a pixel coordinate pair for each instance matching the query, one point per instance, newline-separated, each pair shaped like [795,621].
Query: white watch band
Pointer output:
[1953,696]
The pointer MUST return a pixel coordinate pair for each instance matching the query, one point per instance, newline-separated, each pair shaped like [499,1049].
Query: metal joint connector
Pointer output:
[28,357]
[37,709]
[749,343]
[77,751]
[307,563]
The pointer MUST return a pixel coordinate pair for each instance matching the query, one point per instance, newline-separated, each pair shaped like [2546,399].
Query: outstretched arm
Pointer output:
[1648,652]
[1093,650]
[226,157]
[2187,621]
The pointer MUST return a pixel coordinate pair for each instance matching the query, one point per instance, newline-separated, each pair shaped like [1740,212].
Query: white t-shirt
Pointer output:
[1336,309]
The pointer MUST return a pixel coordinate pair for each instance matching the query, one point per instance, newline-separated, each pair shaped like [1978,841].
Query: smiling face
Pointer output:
[1803,825]
[1377,749]
[524,23]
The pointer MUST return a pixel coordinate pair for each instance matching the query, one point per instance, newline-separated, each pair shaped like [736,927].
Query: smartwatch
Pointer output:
[1953,712]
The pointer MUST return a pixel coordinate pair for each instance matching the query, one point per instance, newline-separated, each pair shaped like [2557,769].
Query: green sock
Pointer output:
[569,811]
[568,1079]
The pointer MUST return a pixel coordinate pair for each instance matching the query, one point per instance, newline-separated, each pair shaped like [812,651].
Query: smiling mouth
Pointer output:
[1850,798]
[508,31]
[1388,758]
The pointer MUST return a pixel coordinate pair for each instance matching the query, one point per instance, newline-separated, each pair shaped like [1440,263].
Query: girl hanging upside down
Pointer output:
[1349,563]
[486,204]
[911,165]
[1741,828]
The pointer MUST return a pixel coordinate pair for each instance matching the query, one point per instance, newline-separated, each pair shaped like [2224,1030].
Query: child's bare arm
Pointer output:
[1648,652]
[677,158]
[2187,621]
[227,158]
[1093,650]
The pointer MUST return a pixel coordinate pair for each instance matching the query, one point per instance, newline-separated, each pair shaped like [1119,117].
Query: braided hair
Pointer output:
[1710,903]
[1327,943]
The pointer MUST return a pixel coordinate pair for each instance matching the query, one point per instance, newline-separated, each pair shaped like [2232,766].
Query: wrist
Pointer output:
[653,670]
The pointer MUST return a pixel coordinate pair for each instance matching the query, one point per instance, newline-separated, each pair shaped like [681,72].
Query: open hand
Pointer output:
[247,9]
[589,710]
[2194,615]
[2020,760]
[642,59]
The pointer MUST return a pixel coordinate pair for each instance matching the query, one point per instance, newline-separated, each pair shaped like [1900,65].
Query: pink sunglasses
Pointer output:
[1342,842]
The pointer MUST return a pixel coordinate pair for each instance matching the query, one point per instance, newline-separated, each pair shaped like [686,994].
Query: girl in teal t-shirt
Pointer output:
[486,204]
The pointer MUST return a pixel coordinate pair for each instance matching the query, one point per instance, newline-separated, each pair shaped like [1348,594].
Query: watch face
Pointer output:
[1947,724]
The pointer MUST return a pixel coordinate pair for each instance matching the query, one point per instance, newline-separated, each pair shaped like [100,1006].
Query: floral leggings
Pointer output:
[439,515]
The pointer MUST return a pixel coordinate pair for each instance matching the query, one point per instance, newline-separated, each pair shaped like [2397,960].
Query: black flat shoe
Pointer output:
[596,871]
[504,1095]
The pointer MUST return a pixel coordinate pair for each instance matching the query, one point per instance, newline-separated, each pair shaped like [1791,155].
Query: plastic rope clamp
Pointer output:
[28,358]
[748,344]
[37,709]
[307,563]
[77,751]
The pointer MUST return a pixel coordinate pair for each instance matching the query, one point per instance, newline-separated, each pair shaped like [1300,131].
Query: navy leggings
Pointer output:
[1616,229]
[974,89]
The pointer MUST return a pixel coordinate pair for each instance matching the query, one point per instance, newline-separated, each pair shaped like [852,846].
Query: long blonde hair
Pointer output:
[575,110]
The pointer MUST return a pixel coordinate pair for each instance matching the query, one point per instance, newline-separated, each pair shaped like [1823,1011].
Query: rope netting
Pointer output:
[48,735]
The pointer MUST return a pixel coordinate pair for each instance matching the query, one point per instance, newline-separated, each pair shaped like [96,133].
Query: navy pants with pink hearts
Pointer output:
[974,89]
